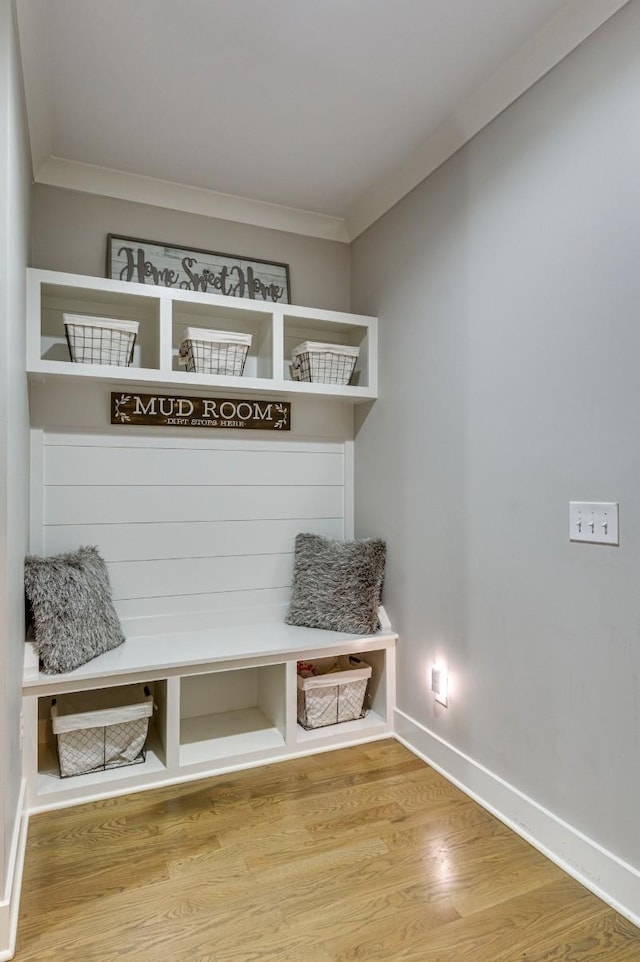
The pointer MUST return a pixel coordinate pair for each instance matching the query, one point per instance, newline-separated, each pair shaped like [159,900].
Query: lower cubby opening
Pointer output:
[375,703]
[49,777]
[231,713]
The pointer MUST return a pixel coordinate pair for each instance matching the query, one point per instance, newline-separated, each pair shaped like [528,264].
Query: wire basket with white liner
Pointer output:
[203,351]
[332,692]
[98,730]
[100,340]
[323,363]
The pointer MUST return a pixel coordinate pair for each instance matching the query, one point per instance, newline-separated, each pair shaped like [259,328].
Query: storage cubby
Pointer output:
[376,702]
[58,300]
[297,330]
[51,785]
[232,713]
[259,363]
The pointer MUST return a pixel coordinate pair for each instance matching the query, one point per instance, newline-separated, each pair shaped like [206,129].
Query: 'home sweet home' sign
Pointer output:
[149,262]
[198,412]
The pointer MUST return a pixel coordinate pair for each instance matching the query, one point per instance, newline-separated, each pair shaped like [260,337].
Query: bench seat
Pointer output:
[190,651]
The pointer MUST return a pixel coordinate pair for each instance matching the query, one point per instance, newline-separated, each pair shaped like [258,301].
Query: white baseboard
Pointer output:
[10,904]
[610,878]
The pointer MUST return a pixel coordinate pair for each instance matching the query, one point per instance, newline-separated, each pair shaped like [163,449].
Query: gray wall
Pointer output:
[508,289]
[14,434]
[69,233]
[59,405]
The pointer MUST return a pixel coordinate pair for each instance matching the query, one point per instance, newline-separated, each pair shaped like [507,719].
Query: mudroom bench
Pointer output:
[225,698]
[197,526]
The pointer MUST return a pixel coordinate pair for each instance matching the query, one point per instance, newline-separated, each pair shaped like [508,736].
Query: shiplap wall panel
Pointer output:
[193,539]
[189,527]
[194,576]
[238,604]
[186,466]
[99,504]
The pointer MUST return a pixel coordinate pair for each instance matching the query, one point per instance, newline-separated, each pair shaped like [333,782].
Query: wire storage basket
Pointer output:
[100,340]
[214,352]
[98,730]
[324,363]
[332,693]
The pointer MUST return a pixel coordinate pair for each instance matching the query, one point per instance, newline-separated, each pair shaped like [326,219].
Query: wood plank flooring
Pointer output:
[360,854]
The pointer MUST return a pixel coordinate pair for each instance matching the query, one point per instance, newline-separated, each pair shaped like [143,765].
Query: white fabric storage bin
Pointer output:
[101,729]
[214,352]
[337,695]
[100,340]
[324,363]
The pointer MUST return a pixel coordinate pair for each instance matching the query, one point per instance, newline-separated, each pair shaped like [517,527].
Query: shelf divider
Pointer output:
[277,346]
[166,314]
[172,723]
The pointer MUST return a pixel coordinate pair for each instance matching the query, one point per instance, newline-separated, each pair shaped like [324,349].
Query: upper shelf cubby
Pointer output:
[164,313]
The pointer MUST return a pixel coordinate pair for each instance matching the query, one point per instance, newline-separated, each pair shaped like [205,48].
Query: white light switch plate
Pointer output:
[595,521]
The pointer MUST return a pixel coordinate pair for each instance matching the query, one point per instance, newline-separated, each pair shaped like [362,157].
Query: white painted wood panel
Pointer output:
[188,527]
[192,576]
[205,442]
[230,608]
[185,466]
[104,505]
[272,696]
[193,539]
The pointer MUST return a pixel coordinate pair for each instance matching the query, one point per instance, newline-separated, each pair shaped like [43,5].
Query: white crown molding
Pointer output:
[562,34]
[602,872]
[558,38]
[57,172]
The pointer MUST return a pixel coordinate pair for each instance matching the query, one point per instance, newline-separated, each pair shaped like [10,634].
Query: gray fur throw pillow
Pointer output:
[73,615]
[337,584]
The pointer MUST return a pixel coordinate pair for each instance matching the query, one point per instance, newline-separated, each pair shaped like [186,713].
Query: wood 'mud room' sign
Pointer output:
[200,412]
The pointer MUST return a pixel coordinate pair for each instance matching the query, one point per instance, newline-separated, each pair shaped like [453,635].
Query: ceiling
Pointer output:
[306,115]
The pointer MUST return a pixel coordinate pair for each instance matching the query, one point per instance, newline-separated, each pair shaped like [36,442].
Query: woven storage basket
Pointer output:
[334,696]
[214,352]
[323,363]
[100,340]
[103,729]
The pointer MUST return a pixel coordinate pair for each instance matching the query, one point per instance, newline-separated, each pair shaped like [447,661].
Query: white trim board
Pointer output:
[10,904]
[90,179]
[558,38]
[609,878]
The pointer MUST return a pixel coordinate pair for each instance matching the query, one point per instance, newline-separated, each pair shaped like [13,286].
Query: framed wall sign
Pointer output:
[191,269]
[170,410]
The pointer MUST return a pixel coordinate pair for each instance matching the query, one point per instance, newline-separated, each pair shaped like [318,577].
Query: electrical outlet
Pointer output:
[594,521]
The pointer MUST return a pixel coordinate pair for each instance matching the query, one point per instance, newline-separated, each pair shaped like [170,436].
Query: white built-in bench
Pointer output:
[226,698]
[198,538]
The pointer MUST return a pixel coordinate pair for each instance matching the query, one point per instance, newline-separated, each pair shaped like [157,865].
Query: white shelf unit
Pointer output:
[163,313]
[233,711]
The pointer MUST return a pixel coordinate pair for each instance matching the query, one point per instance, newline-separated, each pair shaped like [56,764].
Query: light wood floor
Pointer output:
[364,853]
